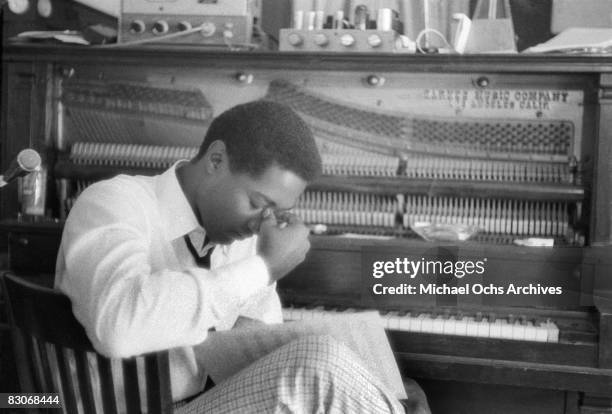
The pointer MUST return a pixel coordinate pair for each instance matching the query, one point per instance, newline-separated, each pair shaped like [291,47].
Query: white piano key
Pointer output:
[530,331]
[406,322]
[506,329]
[471,327]
[484,328]
[461,326]
[541,332]
[393,320]
[426,323]
[437,325]
[553,331]
[417,325]
[518,331]
[450,325]
[495,330]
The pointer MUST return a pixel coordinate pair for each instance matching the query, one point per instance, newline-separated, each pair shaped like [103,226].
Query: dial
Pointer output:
[19,6]
[347,40]
[45,8]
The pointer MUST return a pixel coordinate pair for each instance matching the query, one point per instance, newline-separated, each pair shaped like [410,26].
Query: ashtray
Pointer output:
[443,232]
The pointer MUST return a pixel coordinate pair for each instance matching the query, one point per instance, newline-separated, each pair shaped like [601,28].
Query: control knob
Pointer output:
[160,27]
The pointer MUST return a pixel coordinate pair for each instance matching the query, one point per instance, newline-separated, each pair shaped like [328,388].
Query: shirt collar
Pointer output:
[177,215]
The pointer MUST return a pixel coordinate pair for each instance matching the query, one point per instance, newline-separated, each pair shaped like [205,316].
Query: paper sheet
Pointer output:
[227,352]
[576,39]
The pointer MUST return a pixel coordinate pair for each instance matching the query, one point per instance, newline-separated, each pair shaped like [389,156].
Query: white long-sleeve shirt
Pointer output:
[134,284]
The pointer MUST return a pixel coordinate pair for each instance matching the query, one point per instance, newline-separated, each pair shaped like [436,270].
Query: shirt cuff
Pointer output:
[245,277]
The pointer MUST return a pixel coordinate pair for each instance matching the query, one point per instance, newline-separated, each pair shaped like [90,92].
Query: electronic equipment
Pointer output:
[346,40]
[55,15]
[209,22]
[360,31]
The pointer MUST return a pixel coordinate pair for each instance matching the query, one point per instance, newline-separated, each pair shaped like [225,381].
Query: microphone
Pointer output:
[27,161]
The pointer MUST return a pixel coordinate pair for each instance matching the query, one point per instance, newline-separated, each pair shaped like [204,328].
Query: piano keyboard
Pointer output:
[479,325]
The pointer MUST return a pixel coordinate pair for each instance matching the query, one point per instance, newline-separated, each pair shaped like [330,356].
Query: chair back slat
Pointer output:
[37,359]
[130,384]
[159,399]
[107,389]
[84,377]
[66,380]
[47,383]
[46,332]
[32,356]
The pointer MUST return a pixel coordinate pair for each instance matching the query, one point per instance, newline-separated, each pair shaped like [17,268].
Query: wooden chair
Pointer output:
[41,320]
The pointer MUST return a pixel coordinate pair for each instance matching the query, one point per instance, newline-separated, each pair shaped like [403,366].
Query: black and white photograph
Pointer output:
[306,207]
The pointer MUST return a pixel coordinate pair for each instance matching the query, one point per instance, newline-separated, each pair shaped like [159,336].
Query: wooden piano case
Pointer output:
[517,146]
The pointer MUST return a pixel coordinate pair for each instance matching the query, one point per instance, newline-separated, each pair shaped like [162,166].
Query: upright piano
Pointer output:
[491,173]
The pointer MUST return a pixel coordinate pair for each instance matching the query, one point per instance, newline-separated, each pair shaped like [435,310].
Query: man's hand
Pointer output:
[282,245]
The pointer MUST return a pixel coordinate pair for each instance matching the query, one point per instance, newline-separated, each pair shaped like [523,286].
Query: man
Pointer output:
[127,263]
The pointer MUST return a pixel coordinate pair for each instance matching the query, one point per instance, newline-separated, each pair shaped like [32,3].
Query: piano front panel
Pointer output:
[343,267]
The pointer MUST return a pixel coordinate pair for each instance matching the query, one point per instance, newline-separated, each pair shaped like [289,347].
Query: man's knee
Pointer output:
[327,362]
[336,377]
[322,353]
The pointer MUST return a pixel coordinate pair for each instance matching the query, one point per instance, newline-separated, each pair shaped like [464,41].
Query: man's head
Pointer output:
[255,156]
[262,133]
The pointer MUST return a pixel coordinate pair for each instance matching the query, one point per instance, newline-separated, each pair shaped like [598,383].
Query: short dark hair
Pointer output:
[261,133]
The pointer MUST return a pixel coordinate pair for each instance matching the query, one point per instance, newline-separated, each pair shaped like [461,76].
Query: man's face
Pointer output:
[232,208]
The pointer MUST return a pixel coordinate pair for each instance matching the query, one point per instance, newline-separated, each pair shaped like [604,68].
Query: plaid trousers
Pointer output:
[315,374]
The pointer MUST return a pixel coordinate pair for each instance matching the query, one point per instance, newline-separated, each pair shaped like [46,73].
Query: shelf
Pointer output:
[360,243]
[197,56]
[476,189]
